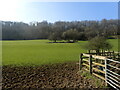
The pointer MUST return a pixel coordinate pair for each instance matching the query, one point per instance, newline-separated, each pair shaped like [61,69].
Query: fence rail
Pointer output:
[100,67]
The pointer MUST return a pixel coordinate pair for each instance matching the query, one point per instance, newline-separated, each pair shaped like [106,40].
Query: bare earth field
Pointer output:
[46,76]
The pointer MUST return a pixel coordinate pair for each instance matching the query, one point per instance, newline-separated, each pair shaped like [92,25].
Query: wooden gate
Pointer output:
[102,67]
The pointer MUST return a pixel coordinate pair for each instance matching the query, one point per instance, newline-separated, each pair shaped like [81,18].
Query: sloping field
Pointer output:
[39,52]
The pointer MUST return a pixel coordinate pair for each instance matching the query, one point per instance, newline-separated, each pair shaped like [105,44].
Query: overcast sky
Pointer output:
[57,11]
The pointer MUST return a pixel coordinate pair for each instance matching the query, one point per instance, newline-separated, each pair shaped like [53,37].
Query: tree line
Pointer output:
[59,30]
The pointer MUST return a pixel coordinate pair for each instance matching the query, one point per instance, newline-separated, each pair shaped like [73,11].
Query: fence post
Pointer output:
[114,56]
[118,54]
[90,64]
[102,52]
[89,51]
[110,54]
[106,72]
[80,61]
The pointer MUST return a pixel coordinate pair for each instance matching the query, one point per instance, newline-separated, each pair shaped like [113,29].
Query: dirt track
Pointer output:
[46,76]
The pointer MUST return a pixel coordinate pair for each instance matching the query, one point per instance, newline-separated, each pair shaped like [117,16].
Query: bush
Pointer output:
[98,43]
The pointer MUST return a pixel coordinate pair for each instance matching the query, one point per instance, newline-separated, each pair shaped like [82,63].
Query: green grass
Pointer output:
[114,43]
[95,81]
[38,52]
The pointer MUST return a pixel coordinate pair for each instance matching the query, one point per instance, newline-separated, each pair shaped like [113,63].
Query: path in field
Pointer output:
[46,76]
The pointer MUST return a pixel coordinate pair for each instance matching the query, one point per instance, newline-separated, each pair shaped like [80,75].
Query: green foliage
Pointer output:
[99,43]
[71,34]
[53,37]
[42,30]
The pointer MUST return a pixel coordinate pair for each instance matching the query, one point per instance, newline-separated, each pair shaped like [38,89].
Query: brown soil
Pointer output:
[47,76]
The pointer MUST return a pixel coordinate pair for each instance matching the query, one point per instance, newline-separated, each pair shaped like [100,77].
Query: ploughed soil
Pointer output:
[63,75]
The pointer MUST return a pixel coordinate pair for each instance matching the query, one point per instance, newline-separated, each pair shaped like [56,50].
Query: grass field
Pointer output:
[38,52]
[114,43]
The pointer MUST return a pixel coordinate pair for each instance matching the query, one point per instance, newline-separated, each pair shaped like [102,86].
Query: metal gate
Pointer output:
[112,77]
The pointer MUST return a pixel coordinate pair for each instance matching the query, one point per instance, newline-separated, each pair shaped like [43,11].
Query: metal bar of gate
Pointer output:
[108,73]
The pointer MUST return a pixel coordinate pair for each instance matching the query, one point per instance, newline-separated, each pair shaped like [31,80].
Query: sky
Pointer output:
[57,11]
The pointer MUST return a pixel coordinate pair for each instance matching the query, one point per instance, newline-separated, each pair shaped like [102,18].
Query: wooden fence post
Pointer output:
[90,64]
[114,56]
[102,53]
[89,51]
[110,54]
[80,61]
[118,54]
[106,72]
